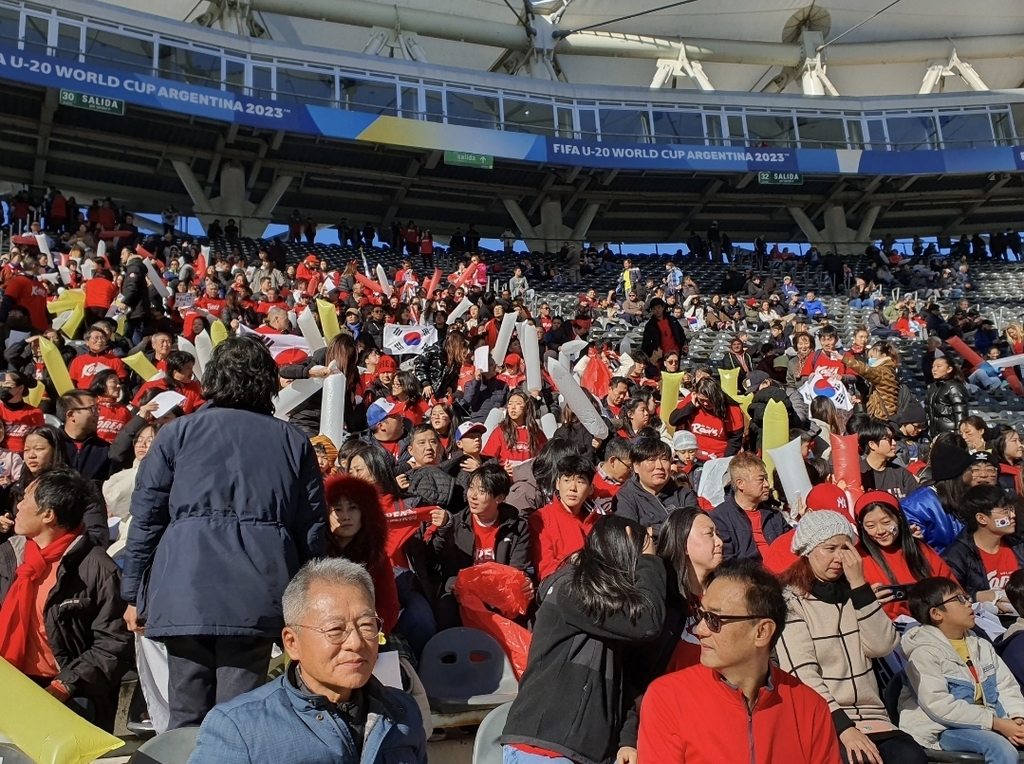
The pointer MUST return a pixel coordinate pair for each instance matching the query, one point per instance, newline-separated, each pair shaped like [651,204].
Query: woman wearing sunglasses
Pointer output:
[571,702]
[835,628]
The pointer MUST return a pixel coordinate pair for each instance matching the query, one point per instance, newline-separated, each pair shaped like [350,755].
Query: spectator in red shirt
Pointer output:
[211,301]
[758,712]
[519,436]
[559,529]
[100,294]
[113,415]
[715,420]
[271,299]
[97,357]
[178,376]
[18,417]
[26,292]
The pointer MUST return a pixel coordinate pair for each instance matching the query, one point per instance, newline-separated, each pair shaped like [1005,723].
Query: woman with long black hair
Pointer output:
[894,556]
[519,436]
[609,595]
[342,351]
[715,419]
[1009,450]
[438,367]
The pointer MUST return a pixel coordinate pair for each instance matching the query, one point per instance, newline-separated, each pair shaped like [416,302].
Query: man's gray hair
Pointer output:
[333,571]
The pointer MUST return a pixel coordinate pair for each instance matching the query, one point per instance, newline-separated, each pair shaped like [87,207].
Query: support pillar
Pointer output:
[551,233]
[233,202]
[836,236]
[868,223]
[523,224]
[579,233]
[552,229]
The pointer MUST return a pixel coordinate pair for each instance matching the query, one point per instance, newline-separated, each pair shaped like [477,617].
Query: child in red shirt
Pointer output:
[559,529]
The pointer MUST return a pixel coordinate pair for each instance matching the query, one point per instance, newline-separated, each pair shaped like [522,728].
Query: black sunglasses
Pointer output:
[716,621]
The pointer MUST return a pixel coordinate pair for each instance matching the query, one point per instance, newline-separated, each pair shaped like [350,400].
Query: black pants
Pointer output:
[203,671]
[895,747]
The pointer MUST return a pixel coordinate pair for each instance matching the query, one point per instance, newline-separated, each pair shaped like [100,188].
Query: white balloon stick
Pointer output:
[204,347]
[577,400]
[332,409]
[297,392]
[154,277]
[101,248]
[792,470]
[508,323]
[494,418]
[460,309]
[548,425]
[188,347]
[382,277]
[44,245]
[309,329]
[531,354]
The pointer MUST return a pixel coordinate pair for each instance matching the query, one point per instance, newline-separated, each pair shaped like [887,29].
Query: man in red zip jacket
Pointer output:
[750,709]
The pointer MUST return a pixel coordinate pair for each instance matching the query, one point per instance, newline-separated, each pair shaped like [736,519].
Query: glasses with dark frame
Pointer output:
[962,598]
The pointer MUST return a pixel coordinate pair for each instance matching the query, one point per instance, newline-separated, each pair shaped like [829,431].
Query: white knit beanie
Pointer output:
[818,527]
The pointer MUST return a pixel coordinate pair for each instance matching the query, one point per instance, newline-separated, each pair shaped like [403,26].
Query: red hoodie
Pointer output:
[789,723]
[556,533]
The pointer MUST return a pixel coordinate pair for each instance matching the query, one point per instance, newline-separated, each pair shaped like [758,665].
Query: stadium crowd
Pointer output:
[783,556]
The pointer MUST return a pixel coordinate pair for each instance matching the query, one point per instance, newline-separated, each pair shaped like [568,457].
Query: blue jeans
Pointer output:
[994,747]
[510,755]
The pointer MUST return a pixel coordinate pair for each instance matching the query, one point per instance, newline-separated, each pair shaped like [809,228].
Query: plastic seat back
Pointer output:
[486,749]
[172,747]
[466,668]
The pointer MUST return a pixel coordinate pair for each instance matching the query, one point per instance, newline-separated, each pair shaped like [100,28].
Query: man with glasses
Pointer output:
[757,711]
[327,705]
[878,447]
[86,452]
[987,551]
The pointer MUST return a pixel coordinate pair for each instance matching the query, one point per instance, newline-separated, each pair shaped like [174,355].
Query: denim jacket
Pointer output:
[280,723]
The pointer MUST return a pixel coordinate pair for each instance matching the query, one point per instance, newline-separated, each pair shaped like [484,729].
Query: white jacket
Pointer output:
[941,691]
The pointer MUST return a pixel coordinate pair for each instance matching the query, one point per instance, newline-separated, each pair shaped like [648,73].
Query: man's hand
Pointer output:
[6,523]
[131,619]
[438,517]
[470,464]
[626,756]
[403,482]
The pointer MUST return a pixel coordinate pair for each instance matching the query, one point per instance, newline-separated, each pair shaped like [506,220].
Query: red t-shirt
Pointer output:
[113,417]
[29,294]
[86,366]
[212,306]
[18,420]
[758,531]
[712,433]
[192,391]
[604,491]
[497,448]
[263,307]
[999,566]
[484,539]
[100,293]
[668,340]
[820,360]
[901,574]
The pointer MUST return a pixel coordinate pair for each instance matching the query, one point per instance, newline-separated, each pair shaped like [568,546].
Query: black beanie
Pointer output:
[949,462]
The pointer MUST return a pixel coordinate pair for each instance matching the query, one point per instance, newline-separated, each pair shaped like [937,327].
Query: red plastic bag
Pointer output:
[597,375]
[846,465]
[502,587]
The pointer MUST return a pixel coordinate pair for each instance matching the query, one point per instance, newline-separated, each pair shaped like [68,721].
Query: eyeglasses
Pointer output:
[715,621]
[368,629]
[963,599]
[93,408]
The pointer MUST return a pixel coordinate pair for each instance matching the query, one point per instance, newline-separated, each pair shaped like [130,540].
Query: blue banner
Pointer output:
[210,103]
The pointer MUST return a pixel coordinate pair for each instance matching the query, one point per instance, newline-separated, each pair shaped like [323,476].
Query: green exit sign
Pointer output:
[102,104]
[464,159]
[780,178]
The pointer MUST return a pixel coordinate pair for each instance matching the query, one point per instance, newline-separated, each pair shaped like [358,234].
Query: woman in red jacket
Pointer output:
[114,415]
[714,418]
[519,436]
[359,532]
[893,558]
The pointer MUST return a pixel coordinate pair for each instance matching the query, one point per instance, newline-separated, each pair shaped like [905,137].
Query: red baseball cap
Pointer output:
[828,496]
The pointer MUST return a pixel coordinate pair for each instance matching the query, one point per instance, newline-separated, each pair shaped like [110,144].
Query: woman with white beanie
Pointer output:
[834,629]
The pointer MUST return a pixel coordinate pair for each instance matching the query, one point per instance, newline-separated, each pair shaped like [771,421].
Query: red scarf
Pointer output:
[16,613]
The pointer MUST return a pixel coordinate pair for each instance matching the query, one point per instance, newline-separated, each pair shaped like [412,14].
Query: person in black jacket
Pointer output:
[947,399]
[609,596]
[765,390]
[987,551]
[662,333]
[85,648]
[651,493]
[210,506]
[745,521]
[135,293]
[488,530]
[84,450]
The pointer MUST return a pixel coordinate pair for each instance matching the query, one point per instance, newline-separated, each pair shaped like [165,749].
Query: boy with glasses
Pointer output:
[961,696]
[751,704]
[986,553]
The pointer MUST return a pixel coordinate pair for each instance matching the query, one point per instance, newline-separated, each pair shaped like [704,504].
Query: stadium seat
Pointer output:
[486,749]
[173,747]
[11,754]
[464,669]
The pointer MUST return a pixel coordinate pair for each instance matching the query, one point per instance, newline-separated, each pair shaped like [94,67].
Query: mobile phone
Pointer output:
[899,591]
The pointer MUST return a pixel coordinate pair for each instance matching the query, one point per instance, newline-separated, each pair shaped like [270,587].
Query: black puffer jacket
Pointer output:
[573,657]
[946,403]
[433,370]
[84,618]
[453,543]
[436,487]
[135,290]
